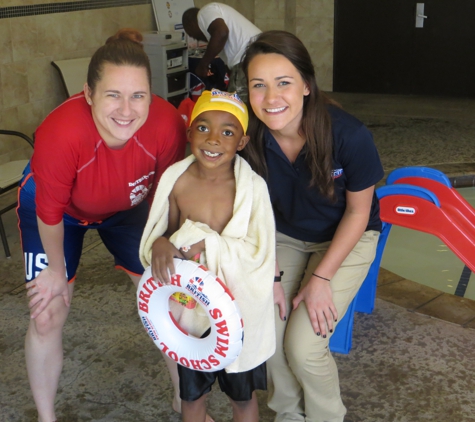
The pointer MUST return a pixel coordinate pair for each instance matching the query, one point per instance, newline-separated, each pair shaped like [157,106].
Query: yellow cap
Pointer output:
[216,100]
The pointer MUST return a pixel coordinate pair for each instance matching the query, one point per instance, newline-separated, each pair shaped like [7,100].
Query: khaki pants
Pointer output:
[303,377]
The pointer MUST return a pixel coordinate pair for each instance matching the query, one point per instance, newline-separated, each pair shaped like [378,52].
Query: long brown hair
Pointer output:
[315,126]
[123,48]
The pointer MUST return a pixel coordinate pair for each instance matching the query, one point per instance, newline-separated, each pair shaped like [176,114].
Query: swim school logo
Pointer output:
[140,191]
[337,173]
[138,194]
[149,328]
[198,282]
[195,287]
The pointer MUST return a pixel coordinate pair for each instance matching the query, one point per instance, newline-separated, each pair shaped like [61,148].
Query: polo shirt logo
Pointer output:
[337,173]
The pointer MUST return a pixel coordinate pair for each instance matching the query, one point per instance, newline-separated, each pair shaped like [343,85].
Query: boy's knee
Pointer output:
[241,405]
[246,410]
[194,411]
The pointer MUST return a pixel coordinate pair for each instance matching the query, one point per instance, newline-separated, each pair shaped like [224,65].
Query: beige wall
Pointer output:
[30,87]
[270,14]
[313,24]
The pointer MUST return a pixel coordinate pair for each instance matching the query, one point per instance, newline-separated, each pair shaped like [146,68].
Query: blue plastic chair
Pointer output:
[367,294]
[341,340]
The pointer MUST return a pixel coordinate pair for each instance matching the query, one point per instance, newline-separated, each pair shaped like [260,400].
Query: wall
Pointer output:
[312,22]
[271,14]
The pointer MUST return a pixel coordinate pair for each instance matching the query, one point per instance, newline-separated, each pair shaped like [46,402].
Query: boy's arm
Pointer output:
[194,250]
[163,250]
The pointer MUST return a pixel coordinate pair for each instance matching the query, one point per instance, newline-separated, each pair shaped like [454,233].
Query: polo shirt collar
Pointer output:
[272,145]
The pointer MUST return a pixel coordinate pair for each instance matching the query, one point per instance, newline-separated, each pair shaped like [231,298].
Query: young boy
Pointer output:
[212,205]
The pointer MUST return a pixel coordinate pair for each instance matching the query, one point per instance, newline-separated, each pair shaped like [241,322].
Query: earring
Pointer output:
[89,102]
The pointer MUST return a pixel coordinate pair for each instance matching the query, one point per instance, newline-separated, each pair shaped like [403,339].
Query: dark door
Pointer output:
[378,48]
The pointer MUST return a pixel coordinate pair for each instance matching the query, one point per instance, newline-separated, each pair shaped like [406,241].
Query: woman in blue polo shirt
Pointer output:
[321,166]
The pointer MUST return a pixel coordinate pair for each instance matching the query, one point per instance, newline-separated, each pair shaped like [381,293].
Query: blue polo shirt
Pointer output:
[302,212]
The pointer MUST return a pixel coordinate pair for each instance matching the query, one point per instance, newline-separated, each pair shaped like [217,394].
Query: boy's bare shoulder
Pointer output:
[187,178]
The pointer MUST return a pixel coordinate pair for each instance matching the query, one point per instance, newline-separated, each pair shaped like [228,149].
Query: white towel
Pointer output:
[243,255]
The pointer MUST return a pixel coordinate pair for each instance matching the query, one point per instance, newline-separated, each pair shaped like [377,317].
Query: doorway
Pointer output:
[378,48]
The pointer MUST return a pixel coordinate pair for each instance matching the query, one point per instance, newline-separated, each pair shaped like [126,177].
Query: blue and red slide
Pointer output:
[423,199]
[418,198]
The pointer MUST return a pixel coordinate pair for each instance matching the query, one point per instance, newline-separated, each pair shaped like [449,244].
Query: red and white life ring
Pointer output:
[212,353]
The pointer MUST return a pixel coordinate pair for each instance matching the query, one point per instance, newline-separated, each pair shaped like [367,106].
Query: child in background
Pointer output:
[213,207]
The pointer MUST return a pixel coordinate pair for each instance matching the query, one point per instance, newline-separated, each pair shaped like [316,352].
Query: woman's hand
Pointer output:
[45,287]
[279,299]
[51,282]
[317,294]
[318,298]
[163,253]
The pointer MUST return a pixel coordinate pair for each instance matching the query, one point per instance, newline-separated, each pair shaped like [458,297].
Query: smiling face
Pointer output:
[215,137]
[120,103]
[276,92]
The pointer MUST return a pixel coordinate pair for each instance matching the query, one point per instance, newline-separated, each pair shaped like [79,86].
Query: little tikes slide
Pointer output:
[423,199]
[418,198]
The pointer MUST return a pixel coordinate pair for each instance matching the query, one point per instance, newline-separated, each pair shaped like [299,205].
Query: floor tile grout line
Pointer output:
[91,246]
[465,324]
[426,303]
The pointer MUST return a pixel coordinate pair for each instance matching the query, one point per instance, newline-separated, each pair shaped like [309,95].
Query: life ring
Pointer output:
[224,342]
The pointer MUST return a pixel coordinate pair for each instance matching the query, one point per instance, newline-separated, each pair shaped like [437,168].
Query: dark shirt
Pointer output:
[302,212]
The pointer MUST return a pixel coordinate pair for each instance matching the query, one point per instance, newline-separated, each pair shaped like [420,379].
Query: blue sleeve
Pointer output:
[356,152]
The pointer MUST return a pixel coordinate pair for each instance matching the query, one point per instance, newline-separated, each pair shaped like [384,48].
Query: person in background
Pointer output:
[227,33]
[96,163]
[321,167]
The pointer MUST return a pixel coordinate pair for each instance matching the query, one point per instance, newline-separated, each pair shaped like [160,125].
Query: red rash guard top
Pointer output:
[77,173]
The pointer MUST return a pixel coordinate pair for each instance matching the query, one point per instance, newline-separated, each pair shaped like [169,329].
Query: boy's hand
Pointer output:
[163,253]
[279,299]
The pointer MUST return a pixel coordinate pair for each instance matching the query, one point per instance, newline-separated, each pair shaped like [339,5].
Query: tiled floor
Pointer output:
[425,300]
[413,359]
